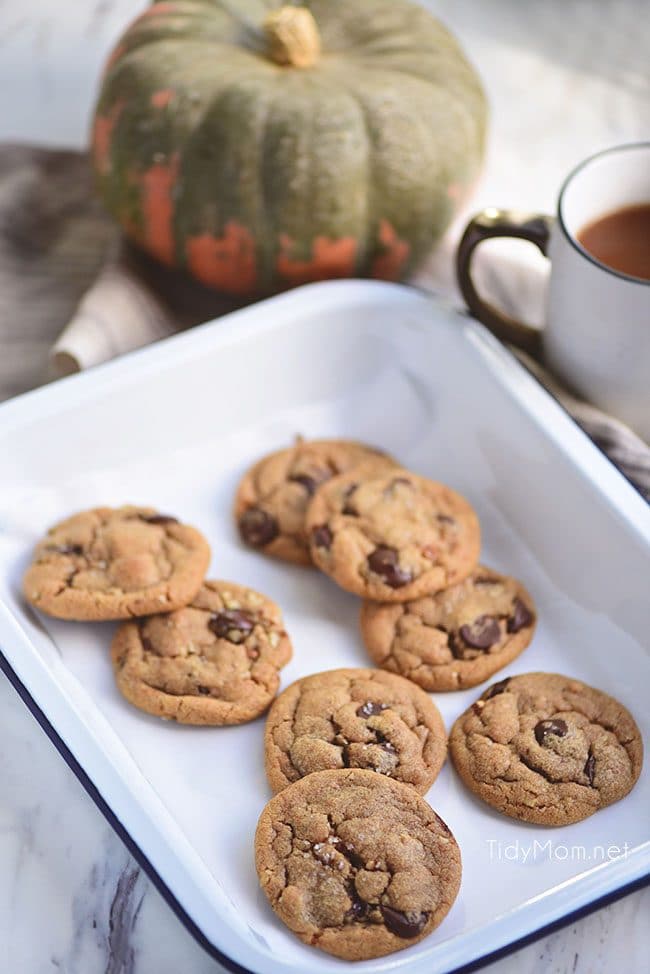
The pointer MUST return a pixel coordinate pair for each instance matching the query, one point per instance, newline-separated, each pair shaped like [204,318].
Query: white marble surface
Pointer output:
[564,80]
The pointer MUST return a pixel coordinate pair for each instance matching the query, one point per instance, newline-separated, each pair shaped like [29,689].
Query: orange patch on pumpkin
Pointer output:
[162,98]
[102,134]
[330,258]
[389,264]
[157,184]
[153,11]
[226,262]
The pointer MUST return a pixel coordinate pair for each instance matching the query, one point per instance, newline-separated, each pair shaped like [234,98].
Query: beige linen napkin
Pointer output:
[118,313]
[73,294]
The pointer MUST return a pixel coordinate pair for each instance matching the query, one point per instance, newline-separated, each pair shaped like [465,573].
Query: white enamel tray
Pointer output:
[174,426]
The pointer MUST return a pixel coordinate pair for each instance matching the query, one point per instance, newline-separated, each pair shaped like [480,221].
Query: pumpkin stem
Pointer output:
[292,37]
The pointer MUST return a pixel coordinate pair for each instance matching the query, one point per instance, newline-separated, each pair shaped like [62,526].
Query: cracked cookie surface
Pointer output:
[546,748]
[393,537]
[115,563]
[215,661]
[456,638]
[273,495]
[355,863]
[354,718]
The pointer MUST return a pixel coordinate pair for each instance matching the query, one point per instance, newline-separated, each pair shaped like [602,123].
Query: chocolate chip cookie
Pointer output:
[115,563]
[273,496]
[354,718]
[392,537]
[216,661]
[456,638]
[355,863]
[547,749]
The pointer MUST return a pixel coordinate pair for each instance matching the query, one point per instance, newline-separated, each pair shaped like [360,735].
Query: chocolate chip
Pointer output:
[445,519]
[370,708]
[482,633]
[496,689]
[205,691]
[460,649]
[159,519]
[383,741]
[383,561]
[348,507]
[231,624]
[322,536]
[359,909]
[405,925]
[521,617]
[147,645]
[66,549]
[351,854]
[544,728]
[590,768]
[309,483]
[257,527]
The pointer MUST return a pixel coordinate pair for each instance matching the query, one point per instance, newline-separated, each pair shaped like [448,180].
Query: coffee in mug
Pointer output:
[621,240]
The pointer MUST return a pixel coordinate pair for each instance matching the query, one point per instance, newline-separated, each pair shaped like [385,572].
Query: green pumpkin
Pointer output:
[262,148]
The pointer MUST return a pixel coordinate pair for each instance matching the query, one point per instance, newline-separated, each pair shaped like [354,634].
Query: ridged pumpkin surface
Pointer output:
[255,175]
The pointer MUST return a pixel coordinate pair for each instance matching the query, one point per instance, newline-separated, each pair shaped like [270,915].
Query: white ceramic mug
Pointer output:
[597,333]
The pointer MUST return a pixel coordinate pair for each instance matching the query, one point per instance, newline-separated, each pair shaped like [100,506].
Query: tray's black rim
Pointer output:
[189,924]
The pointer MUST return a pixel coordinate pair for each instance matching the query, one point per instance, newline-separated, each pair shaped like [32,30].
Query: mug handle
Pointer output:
[501,223]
